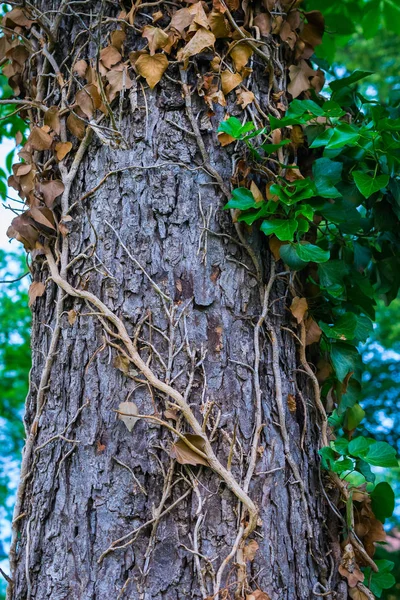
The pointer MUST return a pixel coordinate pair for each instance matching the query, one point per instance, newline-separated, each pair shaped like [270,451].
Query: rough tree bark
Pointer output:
[160,217]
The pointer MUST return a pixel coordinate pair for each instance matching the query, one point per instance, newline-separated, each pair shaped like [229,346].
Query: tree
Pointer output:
[175,424]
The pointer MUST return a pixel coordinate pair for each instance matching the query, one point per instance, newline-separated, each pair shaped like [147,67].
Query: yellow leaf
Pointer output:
[152,68]
[258,197]
[62,149]
[156,37]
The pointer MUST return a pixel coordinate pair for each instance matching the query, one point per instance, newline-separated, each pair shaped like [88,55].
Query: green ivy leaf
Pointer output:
[289,256]
[340,445]
[339,84]
[343,329]
[326,173]
[353,478]
[345,358]
[381,454]
[353,417]
[383,580]
[369,185]
[284,229]
[242,199]
[382,501]
[271,148]
[298,190]
[309,252]
[345,464]
[359,446]
[234,127]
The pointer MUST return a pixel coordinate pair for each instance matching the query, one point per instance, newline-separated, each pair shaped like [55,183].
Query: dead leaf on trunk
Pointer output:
[349,568]
[129,410]
[36,289]
[117,38]
[50,190]
[39,139]
[300,78]
[76,126]
[229,81]
[62,149]
[72,316]
[110,56]
[274,246]
[240,54]
[313,331]
[250,550]
[244,98]
[80,68]
[185,455]
[202,39]
[298,308]
[152,68]
[156,37]
[291,402]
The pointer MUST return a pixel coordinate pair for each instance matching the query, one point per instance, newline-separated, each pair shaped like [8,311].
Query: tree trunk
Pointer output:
[153,243]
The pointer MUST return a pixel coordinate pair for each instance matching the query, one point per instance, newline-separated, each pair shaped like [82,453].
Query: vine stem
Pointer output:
[161,386]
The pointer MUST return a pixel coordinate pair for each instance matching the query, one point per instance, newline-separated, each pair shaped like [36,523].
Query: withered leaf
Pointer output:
[225,139]
[185,455]
[357,594]
[274,246]
[17,17]
[76,126]
[171,414]
[129,410]
[229,81]
[257,195]
[22,230]
[39,139]
[300,78]
[240,54]
[117,38]
[291,401]
[218,24]
[313,331]
[72,316]
[258,595]
[110,56]
[36,289]
[156,37]
[250,550]
[122,363]
[62,149]
[118,80]
[298,308]
[181,20]
[263,22]
[21,169]
[43,219]
[52,119]
[244,98]
[152,68]
[199,17]
[80,68]
[50,191]
[202,39]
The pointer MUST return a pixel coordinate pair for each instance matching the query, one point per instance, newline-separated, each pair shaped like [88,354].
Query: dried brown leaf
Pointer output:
[258,197]
[39,139]
[110,56]
[50,191]
[36,289]
[156,37]
[250,550]
[299,76]
[80,68]
[240,54]
[129,410]
[184,455]
[152,68]
[72,315]
[263,22]
[274,246]
[313,331]
[244,98]
[181,20]
[298,308]
[76,126]
[43,219]
[62,149]
[202,39]
[199,17]
[229,81]
[117,38]
[218,24]
[52,119]
[291,402]
[122,363]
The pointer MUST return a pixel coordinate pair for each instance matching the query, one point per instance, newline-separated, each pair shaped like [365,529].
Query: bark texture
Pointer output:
[79,497]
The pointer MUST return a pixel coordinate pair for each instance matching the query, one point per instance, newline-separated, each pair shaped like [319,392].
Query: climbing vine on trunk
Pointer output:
[314,186]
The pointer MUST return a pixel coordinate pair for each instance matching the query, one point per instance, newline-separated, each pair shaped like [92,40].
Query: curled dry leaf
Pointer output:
[156,37]
[225,139]
[349,568]
[202,39]
[263,22]
[39,139]
[50,191]
[199,17]
[181,20]
[76,126]
[258,595]
[52,119]
[244,98]
[118,80]
[240,54]
[80,68]
[218,24]
[299,76]
[62,149]
[274,246]
[43,219]
[250,550]
[298,308]
[122,363]
[313,331]
[185,455]
[117,38]
[229,81]
[152,68]
[21,229]
[291,401]
[36,289]
[63,225]
[110,56]
[257,195]
[129,410]
[72,316]
[88,99]
[357,594]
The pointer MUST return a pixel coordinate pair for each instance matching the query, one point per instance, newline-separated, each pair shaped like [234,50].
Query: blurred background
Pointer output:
[360,34]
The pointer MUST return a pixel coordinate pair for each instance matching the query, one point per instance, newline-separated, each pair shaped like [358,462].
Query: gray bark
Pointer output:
[79,499]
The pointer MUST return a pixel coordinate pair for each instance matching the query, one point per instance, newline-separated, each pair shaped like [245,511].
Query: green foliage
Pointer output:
[342,220]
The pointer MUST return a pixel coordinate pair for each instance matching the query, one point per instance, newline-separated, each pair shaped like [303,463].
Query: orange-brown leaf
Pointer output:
[152,68]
